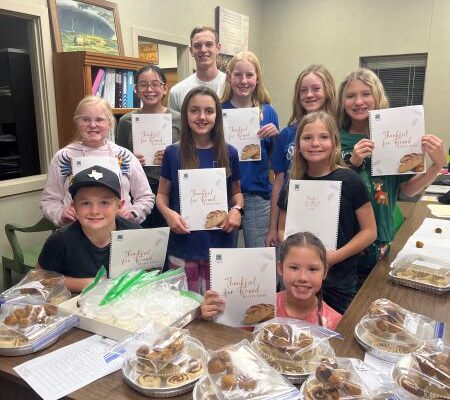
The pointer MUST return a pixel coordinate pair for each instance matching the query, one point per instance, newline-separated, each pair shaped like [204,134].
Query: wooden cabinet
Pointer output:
[73,73]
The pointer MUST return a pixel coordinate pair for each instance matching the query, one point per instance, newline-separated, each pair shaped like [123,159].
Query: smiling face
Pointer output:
[311,93]
[358,100]
[315,143]
[204,49]
[150,89]
[303,272]
[201,115]
[96,208]
[243,80]
[93,125]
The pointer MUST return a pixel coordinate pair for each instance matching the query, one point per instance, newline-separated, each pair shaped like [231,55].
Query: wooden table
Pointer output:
[379,286]
[214,336]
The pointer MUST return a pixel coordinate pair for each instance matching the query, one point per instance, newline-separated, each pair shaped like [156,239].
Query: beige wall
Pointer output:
[288,35]
[337,33]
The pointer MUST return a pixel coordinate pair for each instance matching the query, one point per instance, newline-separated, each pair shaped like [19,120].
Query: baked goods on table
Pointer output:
[425,374]
[347,378]
[293,347]
[26,328]
[238,372]
[43,286]
[388,331]
[422,272]
[258,313]
[162,361]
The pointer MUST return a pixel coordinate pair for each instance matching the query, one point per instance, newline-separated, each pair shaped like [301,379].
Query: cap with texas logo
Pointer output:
[95,176]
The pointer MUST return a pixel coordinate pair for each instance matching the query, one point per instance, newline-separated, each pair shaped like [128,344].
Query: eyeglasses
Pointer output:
[143,86]
[96,120]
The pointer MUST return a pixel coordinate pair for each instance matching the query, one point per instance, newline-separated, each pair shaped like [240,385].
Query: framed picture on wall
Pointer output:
[149,52]
[86,25]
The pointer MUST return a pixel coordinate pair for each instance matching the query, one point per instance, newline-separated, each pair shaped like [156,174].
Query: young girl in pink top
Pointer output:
[303,268]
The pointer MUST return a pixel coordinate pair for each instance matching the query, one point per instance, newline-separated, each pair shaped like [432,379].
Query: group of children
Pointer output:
[319,284]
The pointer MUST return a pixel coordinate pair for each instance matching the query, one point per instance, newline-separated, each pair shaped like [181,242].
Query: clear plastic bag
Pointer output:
[293,347]
[238,372]
[348,378]
[389,331]
[425,374]
[159,358]
[41,285]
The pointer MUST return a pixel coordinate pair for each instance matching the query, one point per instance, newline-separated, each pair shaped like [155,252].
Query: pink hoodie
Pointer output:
[133,182]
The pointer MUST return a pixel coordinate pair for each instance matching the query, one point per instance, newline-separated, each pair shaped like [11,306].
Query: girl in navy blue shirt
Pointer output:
[245,88]
[202,145]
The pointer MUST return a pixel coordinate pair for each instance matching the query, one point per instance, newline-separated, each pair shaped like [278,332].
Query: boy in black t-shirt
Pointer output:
[81,248]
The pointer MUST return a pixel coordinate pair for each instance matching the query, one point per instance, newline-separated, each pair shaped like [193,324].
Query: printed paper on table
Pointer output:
[138,249]
[81,163]
[397,137]
[203,193]
[313,206]
[240,126]
[246,280]
[151,133]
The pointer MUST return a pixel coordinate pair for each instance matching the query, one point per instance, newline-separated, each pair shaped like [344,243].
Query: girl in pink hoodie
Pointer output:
[94,121]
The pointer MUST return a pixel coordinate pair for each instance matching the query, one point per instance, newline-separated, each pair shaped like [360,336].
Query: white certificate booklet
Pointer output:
[81,163]
[203,197]
[246,280]
[397,137]
[151,133]
[313,206]
[241,126]
[138,249]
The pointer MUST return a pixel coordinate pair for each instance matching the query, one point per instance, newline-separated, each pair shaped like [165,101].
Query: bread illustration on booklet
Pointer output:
[259,313]
[412,162]
[215,218]
[251,151]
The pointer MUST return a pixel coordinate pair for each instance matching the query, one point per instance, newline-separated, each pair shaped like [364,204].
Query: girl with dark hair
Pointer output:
[303,267]
[202,145]
[150,87]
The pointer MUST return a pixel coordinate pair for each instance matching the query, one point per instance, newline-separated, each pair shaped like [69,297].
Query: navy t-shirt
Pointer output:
[342,276]
[255,174]
[196,245]
[69,252]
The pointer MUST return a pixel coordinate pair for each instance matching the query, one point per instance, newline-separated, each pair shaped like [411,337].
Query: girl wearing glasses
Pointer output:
[151,88]
[244,87]
[93,122]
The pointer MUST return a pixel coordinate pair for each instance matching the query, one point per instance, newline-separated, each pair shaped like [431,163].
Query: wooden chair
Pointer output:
[19,259]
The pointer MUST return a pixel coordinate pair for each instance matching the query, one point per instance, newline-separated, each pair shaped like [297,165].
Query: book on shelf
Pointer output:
[130,89]
[110,87]
[119,89]
[397,136]
[246,280]
[124,88]
[98,78]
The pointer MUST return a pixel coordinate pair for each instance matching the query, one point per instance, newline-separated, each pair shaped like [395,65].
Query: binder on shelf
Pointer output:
[110,87]
[313,206]
[119,89]
[97,81]
[130,89]
[124,88]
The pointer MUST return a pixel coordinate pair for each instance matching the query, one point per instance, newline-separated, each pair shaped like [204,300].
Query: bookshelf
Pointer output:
[74,75]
